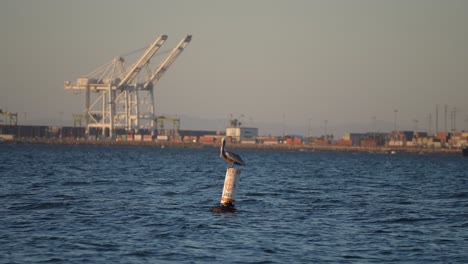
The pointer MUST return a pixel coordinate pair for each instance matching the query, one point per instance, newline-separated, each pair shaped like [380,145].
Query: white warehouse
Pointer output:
[238,133]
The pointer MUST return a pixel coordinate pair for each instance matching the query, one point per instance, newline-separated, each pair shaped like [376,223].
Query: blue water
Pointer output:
[87,204]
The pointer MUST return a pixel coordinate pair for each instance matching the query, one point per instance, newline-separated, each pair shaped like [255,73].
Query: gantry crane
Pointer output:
[9,118]
[122,98]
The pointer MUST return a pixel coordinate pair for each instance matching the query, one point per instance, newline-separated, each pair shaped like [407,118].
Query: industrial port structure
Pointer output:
[119,107]
[120,98]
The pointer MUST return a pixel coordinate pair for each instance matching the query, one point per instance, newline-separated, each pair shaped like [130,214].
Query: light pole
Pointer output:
[284,124]
[445,119]
[374,124]
[437,120]
[415,125]
[325,129]
[429,124]
[453,116]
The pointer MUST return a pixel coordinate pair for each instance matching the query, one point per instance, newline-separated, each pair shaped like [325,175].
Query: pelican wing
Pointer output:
[233,157]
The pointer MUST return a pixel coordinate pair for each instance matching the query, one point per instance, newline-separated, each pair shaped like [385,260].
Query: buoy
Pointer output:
[231,182]
[230,186]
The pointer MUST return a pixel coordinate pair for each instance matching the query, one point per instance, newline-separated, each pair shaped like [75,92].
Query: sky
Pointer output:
[294,67]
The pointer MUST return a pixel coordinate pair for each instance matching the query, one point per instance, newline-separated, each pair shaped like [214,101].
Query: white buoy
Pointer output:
[231,183]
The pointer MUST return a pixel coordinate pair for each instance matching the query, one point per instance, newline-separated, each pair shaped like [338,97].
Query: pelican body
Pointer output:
[230,157]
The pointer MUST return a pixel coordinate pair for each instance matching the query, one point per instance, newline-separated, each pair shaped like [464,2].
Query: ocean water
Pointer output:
[89,204]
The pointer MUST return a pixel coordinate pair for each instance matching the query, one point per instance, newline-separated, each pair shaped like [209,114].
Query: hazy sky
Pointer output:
[281,62]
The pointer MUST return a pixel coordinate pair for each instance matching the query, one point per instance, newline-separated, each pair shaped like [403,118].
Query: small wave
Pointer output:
[352,257]
[40,206]
[14,195]
[269,251]
[52,260]
[403,220]
[170,193]
[63,197]
[140,253]
[459,195]
[463,225]
[262,194]
[77,168]
[75,183]
[97,246]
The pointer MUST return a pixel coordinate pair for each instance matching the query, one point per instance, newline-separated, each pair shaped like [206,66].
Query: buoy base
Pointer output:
[224,208]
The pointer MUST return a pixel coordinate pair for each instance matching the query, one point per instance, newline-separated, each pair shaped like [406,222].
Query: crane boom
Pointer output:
[162,68]
[133,72]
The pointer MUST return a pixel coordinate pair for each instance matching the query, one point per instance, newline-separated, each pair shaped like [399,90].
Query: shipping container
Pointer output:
[321,142]
[294,141]
[442,136]
[147,138]
[344,142]
[395,143]
[138,137]
[207,139]
[248,141]
[7,137]
[190,139]
[368,143]
[162,138]
[270,142]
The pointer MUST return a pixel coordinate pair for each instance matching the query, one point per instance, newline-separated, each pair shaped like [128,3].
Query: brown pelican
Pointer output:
[230,157]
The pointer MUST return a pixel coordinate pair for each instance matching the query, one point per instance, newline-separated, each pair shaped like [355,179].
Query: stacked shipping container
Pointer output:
[345,142]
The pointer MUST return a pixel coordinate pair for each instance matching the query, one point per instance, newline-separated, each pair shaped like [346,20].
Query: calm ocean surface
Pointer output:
[87,204]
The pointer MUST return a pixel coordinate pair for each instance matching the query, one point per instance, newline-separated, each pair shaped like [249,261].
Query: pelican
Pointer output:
[230,157]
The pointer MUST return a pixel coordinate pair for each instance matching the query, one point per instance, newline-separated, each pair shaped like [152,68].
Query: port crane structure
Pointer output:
[119,98]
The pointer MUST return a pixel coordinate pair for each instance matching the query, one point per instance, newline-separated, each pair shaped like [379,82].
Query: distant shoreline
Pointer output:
[304,147]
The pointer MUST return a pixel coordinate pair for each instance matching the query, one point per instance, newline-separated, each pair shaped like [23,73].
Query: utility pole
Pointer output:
[284,124]
[445,113]
[325,129]
[437,119]
[374,123]
[415,121]
[429,123]
[453,117]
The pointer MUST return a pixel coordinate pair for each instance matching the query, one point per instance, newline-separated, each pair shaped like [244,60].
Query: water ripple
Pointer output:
[82,204]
